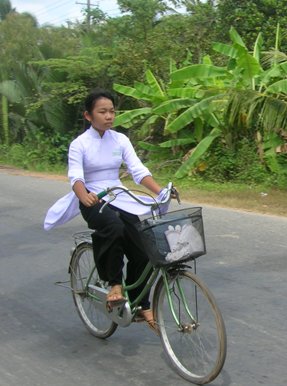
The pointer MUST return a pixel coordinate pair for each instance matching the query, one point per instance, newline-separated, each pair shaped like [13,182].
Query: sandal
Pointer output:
[147,316]
[115,296]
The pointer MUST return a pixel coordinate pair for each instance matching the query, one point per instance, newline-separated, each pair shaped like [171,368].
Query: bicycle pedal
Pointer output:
[119,305]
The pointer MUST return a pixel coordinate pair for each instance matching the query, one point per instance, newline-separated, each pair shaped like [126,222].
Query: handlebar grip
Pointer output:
[102,194]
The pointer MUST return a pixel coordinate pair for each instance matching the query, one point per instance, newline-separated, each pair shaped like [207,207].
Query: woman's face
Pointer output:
[102,116]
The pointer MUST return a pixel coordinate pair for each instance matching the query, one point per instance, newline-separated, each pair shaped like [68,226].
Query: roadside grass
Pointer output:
[253,198]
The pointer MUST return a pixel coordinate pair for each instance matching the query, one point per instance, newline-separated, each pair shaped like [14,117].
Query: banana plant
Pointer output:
[151,93]
[179,105]
[202,102]
[259,106]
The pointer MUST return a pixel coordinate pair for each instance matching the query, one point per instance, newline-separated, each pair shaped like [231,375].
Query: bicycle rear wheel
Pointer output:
[196,345]
[81,266]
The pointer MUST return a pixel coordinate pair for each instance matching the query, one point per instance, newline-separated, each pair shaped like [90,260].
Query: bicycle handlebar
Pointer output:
[112,196]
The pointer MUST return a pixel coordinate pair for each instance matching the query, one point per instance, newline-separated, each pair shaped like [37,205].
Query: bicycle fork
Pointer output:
[175,293]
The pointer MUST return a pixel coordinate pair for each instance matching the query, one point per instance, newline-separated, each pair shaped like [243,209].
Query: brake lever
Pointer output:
[175,194]
[111,197]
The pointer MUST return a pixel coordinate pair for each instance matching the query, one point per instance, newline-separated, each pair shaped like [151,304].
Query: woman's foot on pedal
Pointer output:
[115,296]
[147,316]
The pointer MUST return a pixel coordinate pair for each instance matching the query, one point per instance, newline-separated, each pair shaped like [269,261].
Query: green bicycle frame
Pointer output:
[140,280]
[169,290]
[134,304]
[127,288]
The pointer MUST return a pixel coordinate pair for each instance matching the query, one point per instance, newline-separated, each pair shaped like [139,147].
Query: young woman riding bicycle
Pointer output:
[95,158]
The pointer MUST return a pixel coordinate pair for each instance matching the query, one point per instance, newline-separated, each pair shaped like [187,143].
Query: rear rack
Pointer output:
[85,236]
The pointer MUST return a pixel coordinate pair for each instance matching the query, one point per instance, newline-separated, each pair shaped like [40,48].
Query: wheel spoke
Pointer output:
[196,348]
[82,265]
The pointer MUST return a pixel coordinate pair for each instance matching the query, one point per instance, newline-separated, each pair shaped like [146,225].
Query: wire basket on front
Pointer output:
[175,236]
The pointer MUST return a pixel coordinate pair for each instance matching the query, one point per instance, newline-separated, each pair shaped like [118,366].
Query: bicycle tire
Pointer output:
[82,263]
[197,349]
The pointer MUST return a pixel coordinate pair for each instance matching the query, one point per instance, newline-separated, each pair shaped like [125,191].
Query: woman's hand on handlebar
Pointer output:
[87,198]
[90,199]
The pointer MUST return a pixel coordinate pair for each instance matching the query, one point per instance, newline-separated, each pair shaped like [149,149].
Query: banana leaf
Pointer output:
[148,146]
[145,129]
[206,60]
[279,87]
[153,83]
[212,120]
[130,91]
[273,72]
[126,119]
[201,109]
[178,142]
[248,63]
[236,38]
[202,71]
[198,152]
[258,47]
[283,66]
[172,105]
[225,49]
[184,92]
[148,92]
[172,66]
[150,121]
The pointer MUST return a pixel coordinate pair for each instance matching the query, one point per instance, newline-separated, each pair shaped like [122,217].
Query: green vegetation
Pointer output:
[203,99]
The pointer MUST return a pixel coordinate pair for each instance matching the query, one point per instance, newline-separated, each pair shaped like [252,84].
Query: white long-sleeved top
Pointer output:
[96,161]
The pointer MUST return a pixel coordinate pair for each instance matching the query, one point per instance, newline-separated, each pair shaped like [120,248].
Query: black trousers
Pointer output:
[116,236]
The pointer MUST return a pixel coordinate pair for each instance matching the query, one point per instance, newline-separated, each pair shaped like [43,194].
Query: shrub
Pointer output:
[238,165]
[38,152]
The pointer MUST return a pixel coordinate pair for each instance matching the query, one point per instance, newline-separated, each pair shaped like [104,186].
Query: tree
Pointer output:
[143,14]
[24,103]
[202,26]
[5,9]
[243,15]
[18,40]
[249,17]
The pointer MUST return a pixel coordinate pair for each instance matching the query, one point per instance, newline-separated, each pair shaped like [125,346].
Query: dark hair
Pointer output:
[96,94]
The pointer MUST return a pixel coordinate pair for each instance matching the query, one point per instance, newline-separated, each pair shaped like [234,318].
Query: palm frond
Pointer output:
[10,89]
[255,110]
[269,58]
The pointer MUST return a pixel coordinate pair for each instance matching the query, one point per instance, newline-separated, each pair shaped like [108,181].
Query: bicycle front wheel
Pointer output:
[191,327]
[81,271]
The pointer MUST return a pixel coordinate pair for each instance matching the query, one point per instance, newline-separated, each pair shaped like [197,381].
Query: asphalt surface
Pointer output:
[43,342]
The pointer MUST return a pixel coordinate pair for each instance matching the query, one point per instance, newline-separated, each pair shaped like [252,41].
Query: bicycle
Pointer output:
[190,324]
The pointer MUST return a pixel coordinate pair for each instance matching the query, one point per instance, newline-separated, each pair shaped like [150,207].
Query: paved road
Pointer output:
[42,340]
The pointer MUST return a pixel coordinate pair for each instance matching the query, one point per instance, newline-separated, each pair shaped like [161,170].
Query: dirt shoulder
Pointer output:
[20,172]
[272,203]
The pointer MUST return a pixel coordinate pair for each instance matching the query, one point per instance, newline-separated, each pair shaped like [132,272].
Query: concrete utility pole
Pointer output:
[89,5]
